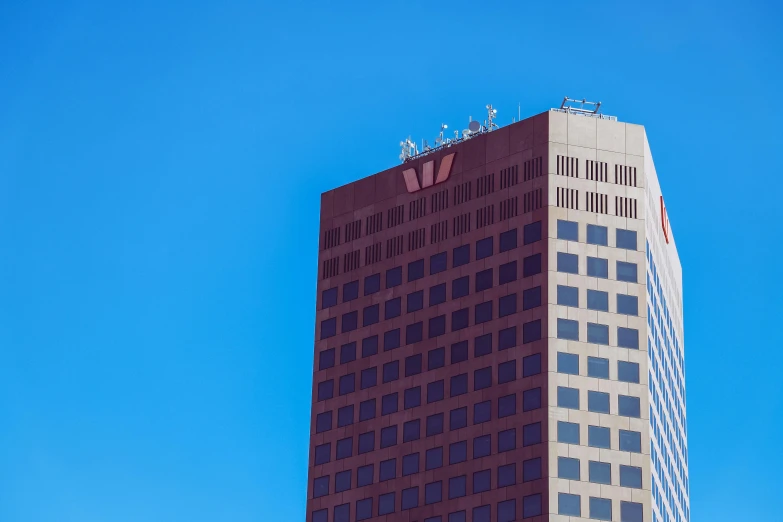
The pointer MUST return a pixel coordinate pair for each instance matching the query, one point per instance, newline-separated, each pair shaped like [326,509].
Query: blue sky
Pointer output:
[160,173]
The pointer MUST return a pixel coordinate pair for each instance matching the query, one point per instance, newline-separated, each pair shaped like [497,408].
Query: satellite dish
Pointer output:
[474,126]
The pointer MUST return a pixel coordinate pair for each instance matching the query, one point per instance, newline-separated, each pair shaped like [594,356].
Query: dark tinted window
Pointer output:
[482,481]
[531,365]
[461,256]
[321,486]
[507,338]
[597,300]
[412,398]
[531,265]
[323,453]
[531,505]
[597,333]
[531,469]
[328,328]
[363,509]
[458,385]
[531,434]
[568,468]
[321,515]
[482,446]
[507,440]
[326,359]
[630,477]
[389,403]
[366,442]
[457,486]
[484,280]
[342,513]
[370,314]
[347,353]
[410,464]
[568,432]
[412,365]
[344,448]
[628,406]
[483,312]
[458,418]
[508,240]
[391,371]
[351,289]
[568,230]
[367,410]
[329,297]
[626,272]
[388,436]
[458,452]
[626,239]
[410,498]
[438,263]
[415,301]
[460,287]
[394,277]
[627,304]
[415,270]
[435,391]
[482,345]
[438,294]
[507,305]
[484,248]
[372,284]
[436,326]
[434,424]
[568,363]
[531,331]
[436,358]
[531,298]
[386,504]
[631,512]
[532,232]
[370,346]
[459,352]
[482,412]
[414,333]
[598,367]
[364,475]
[482,514]
[388,470]
[325,390]
[391,339]
[345,416]
[568,397]
[433,492]
[568,263]
[568,296]
[393,308]
[433,458]
[628,338]
[347,383]
[507,273]
[507,405]
[627,371]
[507,371]
[597,235]
[567,329]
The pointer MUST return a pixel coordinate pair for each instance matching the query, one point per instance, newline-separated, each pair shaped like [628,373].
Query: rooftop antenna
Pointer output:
[439,140]
[491,114]
[408,150]
[519,112]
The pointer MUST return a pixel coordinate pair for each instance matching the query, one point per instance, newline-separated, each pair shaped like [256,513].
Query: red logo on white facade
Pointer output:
[428,177]
[664,221]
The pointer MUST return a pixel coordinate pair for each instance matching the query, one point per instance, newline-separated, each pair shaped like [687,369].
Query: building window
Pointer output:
[568,363]
[598,367]
[568,468]
[482,412]
[484,248]
[567,432]
[460,256]
[568,296]
[597,300]
[482,345]
[568,230]
[363,509]
[389,403]
[600,508]
[631,512]
[325,390]
[568,504]
[415,270]
[349,321]
[326,359]
[388,436]
[412,398]
[388,470]
[329,297]
[507,371]
[345,416]
[598,437]
[507,440]
[412,365]
[531,265]
[321,486]
[600,472]
[507,273]
[344,448]
[391,340]
[531,365]
[321,515]
[460,516]
[568,263]
[438,263]
[483,312]
[482,481]
[531,434]
[342,513]
[391,371]
[437,326]
[364,475]
[370,314]
[323,422]
[458,418]
[342,481]
[410,464]
[508,240]
[627,372]
[567,329]
[484,280]
[507,305]
[568,397]
[531,331]
[435,391]
[531,469]
[366,442]
[531,399]
[433,458]
[626,239]
[372,284]
[437,294]
[598,267]
[459,352]
[415,301]
[630,441]
[414,333]
[367,410]
[392,308]
[323,453]
[628,406]
[458,385]
[482,446]
[626,272]
[457,487]
[328,328]
[434,424]
[597,333]
[386,504]
[458,452]
[507,510]
[597,235]
[630,477]
[507,475]
[531,298]
[460,287]
[532,232]
[627,304]
[393,277]
[433,492]
[351,289]
[531,505]
[507,338]
[347,384]
[370,346]
[507,405]
[628,338]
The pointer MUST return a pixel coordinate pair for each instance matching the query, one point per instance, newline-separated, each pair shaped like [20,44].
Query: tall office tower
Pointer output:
[499,334]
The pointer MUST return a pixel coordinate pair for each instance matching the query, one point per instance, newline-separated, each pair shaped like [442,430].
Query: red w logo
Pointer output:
[664,221]
[427,175]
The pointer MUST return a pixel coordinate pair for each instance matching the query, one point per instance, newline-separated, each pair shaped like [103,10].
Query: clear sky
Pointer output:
[160,175]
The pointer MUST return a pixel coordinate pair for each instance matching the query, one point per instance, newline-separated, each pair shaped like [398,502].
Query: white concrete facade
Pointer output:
[595,160]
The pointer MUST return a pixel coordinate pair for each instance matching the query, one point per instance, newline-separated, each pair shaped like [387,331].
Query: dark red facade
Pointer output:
[484,340]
